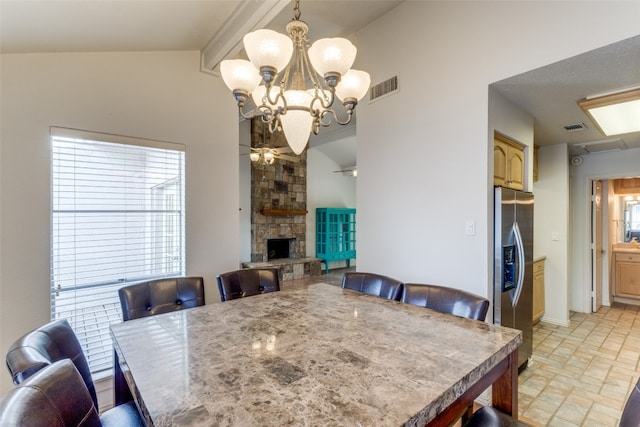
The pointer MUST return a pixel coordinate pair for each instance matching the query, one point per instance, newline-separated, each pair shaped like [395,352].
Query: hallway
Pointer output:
[579,375]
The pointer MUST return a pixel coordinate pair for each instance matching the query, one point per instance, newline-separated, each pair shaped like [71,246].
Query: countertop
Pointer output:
[630,248]
[540,258]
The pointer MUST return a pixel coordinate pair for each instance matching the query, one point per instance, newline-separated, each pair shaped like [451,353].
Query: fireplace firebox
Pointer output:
[279,248]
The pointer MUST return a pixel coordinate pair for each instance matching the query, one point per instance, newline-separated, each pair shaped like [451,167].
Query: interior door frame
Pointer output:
[597,253]
[586,250]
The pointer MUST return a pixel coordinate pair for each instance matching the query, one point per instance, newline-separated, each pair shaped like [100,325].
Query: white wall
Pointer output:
[615,164]
[425,171]
[157,95]
[551,215]
[245,194]
[326,189]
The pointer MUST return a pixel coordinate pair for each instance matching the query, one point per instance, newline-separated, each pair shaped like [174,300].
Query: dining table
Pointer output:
[319,355]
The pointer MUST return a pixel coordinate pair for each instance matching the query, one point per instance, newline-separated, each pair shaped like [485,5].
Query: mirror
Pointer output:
[631,217]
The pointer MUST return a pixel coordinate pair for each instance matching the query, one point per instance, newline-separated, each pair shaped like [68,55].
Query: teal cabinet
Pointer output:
[335,235]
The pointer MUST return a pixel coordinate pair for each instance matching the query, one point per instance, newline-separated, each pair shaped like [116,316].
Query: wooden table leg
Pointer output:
[503,377]
[505,389]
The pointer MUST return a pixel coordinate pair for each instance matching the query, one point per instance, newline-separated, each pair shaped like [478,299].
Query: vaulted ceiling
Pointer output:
[216,27]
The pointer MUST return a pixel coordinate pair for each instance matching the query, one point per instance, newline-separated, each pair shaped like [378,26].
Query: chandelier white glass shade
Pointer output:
[278,74]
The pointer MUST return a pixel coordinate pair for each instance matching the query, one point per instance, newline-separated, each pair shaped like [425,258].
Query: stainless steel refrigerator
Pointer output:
[513,266]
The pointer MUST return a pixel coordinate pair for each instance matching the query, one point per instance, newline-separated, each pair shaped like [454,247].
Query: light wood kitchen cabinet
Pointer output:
[627,274]
[538,290]
[508,163]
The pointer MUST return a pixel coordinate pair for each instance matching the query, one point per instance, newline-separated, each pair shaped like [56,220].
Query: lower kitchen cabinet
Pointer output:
[538,290]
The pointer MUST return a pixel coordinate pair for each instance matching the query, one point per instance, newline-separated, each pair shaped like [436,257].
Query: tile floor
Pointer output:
[579,375]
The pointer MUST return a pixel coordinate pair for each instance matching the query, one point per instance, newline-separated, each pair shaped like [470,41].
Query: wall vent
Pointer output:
[573,127]
[384,88]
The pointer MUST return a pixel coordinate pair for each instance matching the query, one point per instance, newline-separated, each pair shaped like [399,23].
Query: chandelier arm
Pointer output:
[331,112]
[269,103]
[246,116]
[320,96]
[274,123]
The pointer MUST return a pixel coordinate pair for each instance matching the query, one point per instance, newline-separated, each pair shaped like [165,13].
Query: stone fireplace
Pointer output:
[278,198]
[278,210]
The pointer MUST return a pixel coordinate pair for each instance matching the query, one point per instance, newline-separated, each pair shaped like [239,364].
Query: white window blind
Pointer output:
[117,217]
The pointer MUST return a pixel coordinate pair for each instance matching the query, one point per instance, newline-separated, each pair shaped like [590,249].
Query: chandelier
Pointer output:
[288,104]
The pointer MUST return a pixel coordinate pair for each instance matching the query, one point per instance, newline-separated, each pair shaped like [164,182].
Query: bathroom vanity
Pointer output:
[626,271]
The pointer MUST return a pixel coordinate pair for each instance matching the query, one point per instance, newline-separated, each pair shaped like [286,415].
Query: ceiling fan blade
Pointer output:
[288,158]
[282,150]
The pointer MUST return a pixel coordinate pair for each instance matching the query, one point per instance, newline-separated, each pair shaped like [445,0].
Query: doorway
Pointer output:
[609,226]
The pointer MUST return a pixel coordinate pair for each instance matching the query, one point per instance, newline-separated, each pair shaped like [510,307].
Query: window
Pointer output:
[117,217]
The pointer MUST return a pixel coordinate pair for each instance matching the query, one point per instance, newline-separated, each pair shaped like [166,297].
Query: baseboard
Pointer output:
[556,322]
[104,391]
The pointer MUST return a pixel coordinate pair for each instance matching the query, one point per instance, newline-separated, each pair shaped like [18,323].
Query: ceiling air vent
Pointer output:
[385,88]
[573,127]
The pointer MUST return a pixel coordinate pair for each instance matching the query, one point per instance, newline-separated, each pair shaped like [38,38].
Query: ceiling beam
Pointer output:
[250,15]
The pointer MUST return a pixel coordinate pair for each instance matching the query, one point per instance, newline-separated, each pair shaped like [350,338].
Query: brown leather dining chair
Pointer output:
[373,284]
[47,345]
[446,300]
[56,396]
[247,282]
[160,296]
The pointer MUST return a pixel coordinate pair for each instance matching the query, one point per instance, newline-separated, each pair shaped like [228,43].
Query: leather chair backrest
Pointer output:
[631,412]
[55,396]
[247,282]
[446,300]
[161,296]
[45,345]
[373,284]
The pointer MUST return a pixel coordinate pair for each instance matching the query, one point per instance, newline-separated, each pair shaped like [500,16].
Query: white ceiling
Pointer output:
[549,94]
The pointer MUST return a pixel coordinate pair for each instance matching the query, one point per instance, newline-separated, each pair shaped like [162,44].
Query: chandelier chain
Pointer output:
[296,11]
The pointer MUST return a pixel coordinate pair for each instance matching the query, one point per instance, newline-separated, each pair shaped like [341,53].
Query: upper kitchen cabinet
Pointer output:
[508,163]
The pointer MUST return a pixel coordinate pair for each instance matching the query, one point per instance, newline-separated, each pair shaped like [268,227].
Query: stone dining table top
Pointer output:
[316,356]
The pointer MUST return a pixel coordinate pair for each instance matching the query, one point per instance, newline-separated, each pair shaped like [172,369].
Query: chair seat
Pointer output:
[488,416]
[122,415]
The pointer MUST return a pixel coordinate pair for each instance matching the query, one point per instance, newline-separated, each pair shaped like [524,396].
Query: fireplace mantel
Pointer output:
[283,212]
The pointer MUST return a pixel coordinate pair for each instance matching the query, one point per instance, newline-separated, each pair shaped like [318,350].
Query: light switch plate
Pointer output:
[470,228]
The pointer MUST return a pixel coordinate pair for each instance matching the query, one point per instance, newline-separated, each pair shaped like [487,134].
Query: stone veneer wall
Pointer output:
[281,185]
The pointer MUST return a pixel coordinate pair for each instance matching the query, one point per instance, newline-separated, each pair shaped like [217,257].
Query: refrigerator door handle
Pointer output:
[521,262]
